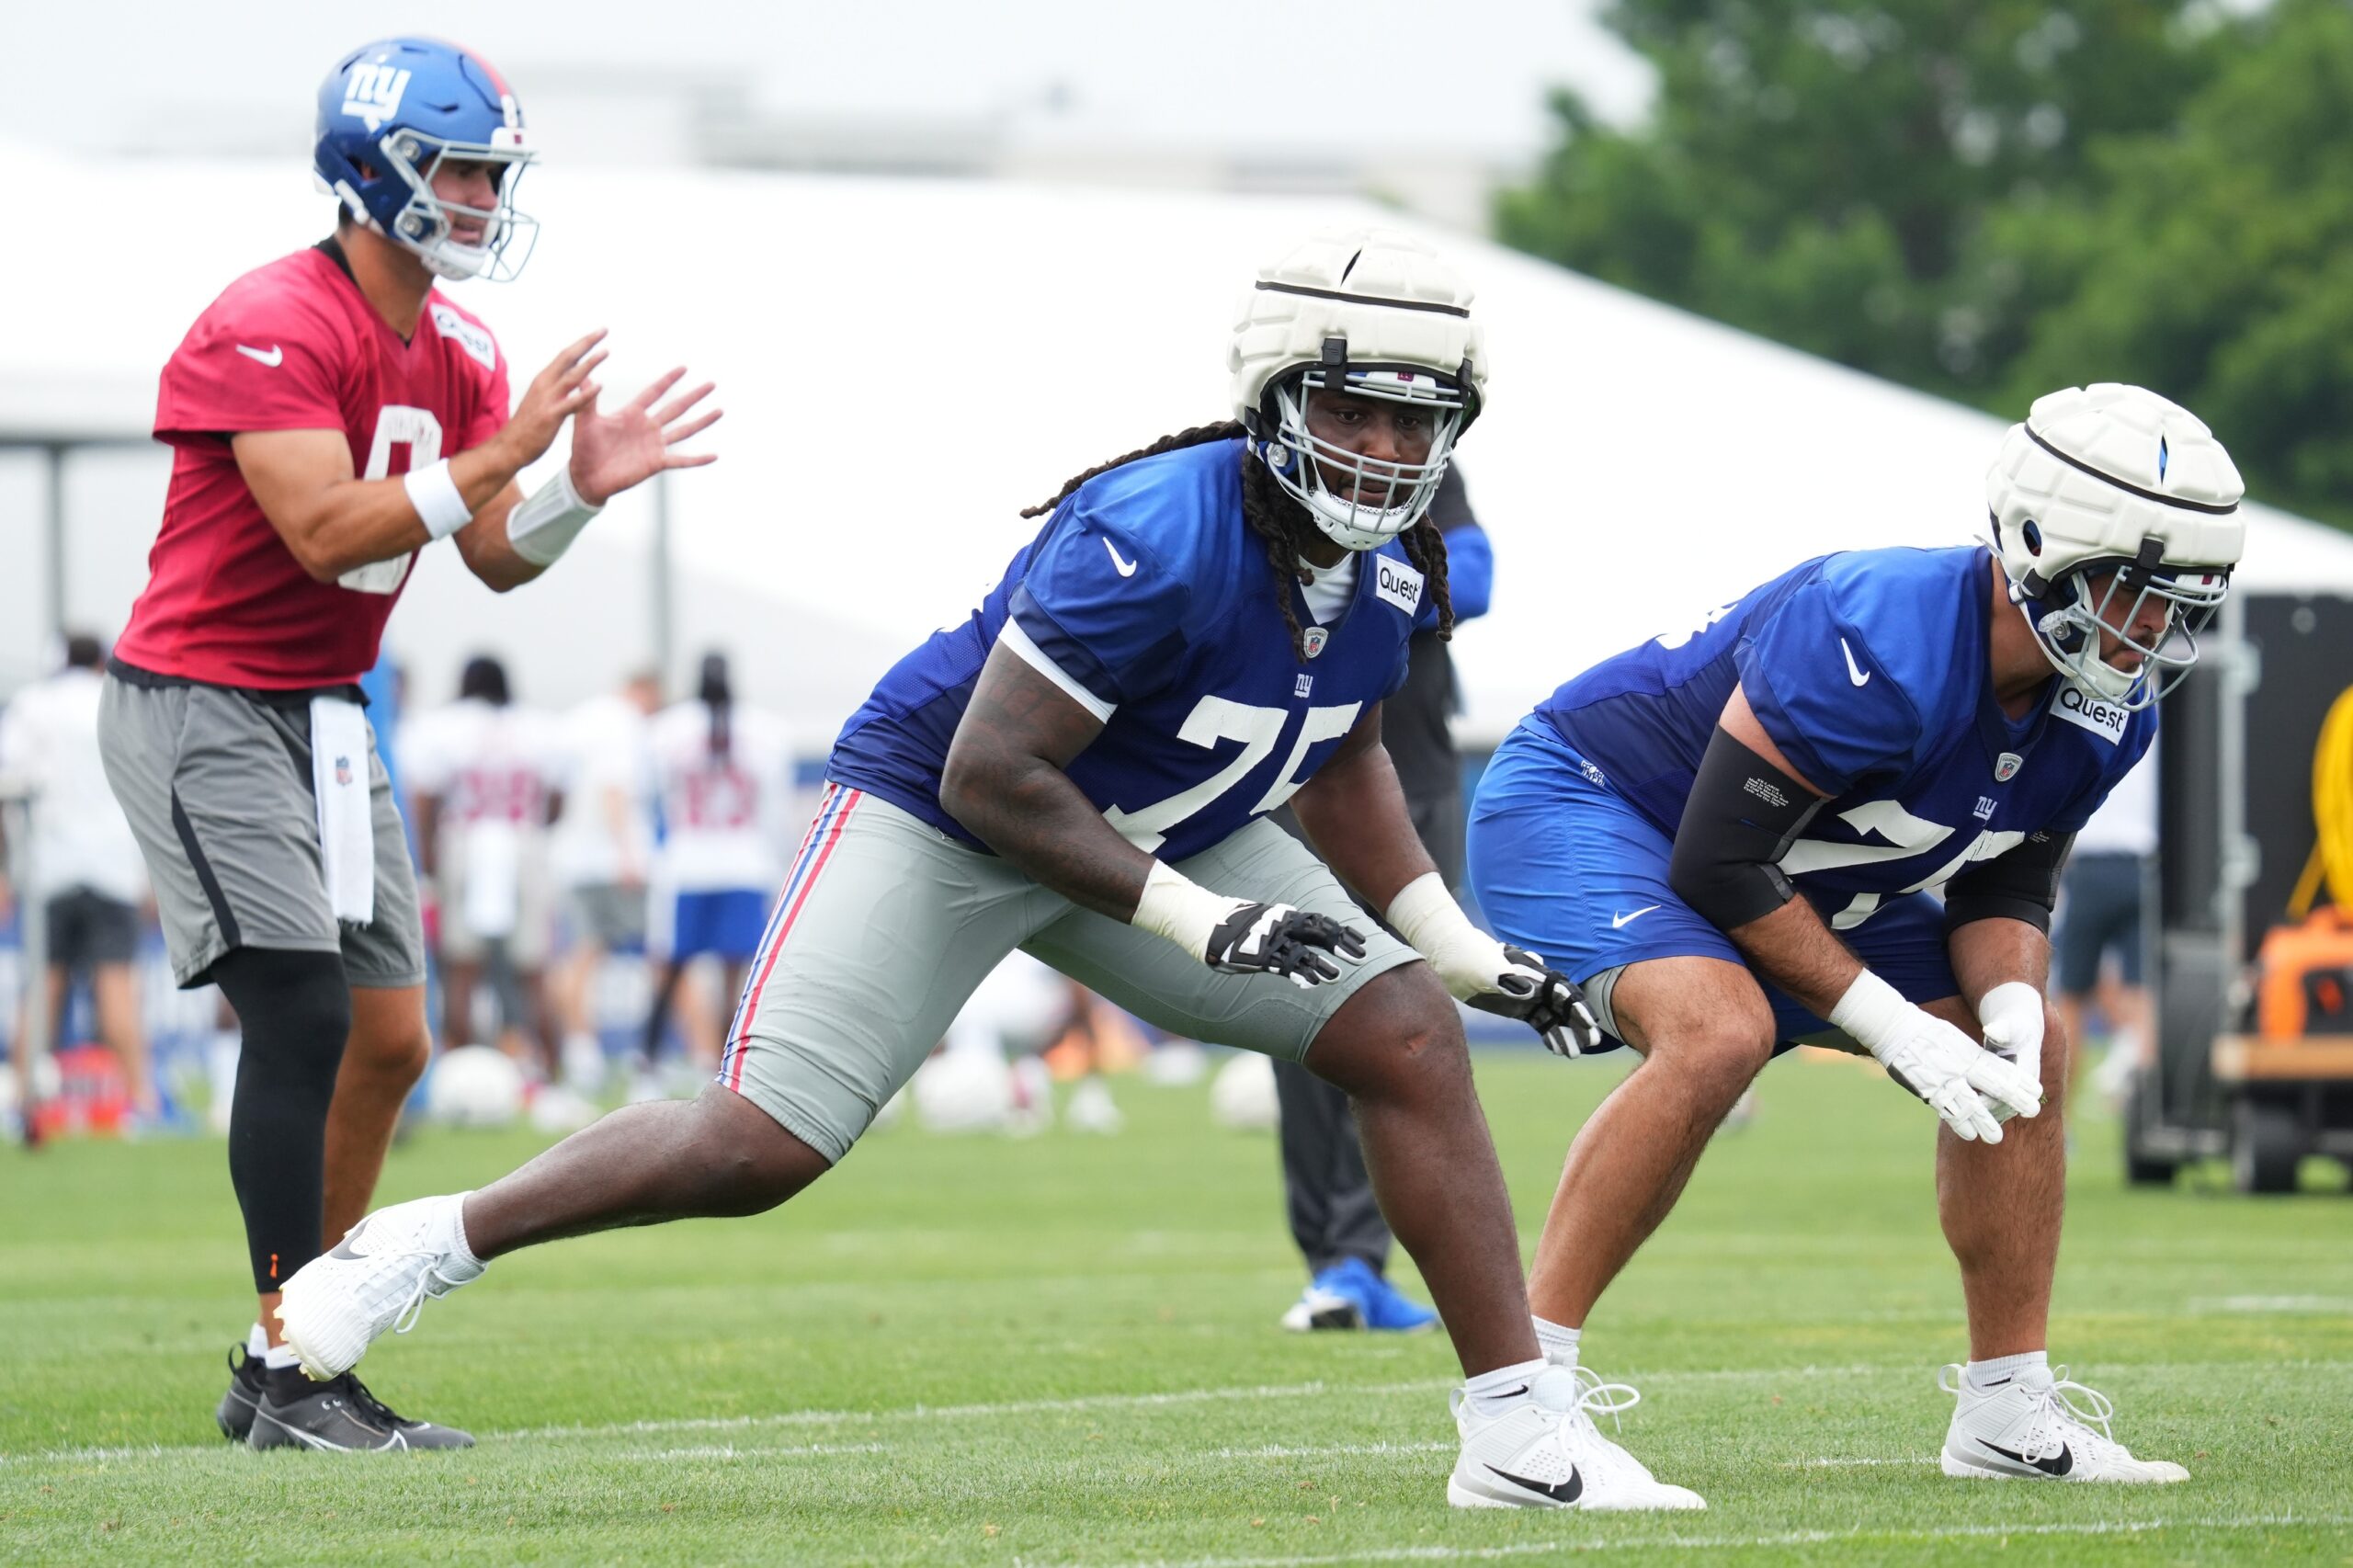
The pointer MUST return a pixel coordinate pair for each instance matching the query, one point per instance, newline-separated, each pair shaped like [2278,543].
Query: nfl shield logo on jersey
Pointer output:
[1315,639]
[2006,765]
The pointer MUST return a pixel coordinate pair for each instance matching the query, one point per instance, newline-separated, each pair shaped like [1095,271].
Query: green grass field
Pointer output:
[1064,1351]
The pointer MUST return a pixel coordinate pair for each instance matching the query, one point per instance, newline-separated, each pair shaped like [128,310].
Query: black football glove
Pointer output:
[1545,1000]
[1279,938]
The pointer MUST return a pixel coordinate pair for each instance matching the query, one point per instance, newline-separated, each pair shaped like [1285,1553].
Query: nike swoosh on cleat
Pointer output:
[1567,1491]
[2061,1464]
[343,1249]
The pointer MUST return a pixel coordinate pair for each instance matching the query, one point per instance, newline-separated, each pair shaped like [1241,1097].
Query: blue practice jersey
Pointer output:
[1149,600]
[1869,670]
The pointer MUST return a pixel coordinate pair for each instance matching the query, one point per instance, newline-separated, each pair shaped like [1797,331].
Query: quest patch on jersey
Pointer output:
[2089,711]
[474,340]
[1398,584]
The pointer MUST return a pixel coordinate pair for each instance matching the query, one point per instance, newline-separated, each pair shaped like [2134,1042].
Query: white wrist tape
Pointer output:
[1426,914]
[544,523]
[1870,1010]
[440,505]
[1180,909]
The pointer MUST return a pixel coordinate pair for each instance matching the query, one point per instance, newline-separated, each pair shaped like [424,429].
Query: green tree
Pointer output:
[2217,265]
[1823,172]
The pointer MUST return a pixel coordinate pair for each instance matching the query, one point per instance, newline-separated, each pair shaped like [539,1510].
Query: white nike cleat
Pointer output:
[2029,1429]
[1545,1452]
[378,1277]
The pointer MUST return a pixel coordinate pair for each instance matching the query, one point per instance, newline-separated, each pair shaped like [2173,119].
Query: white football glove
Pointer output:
[1488,975]
[1244,938]
[2011,1015]
[1955,1074]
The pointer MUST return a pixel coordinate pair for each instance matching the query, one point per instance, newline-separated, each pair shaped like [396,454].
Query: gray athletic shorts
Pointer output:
[886,925]
[611,915]
[217,785]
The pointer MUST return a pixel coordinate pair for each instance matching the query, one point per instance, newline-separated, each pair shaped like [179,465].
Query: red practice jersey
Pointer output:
[295,346]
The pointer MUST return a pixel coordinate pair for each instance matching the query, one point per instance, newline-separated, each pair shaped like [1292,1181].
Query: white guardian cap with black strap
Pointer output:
[1369,311]
[2109,500]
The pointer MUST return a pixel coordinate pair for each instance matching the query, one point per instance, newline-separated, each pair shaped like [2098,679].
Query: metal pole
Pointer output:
[664,624]
[32,930]
[56,545]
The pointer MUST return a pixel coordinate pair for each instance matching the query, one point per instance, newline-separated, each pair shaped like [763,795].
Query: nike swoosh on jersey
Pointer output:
[1620,922]
[2058,1464]
[275,358]
[1854,672]
[1124,568]
[1567,1491]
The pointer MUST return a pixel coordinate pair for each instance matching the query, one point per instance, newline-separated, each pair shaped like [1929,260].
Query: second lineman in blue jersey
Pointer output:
[1732,835]
[1199,631]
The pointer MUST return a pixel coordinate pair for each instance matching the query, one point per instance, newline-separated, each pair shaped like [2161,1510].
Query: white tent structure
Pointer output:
[905,364]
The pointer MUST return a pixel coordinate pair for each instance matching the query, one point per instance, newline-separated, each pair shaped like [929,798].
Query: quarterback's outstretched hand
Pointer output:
[1953,1073]
[611,452]
[553,396]
[1303,947]
[1544,999]
[2011,1015]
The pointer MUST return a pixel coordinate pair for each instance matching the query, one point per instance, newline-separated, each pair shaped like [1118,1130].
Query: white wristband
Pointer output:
[544,523]
[1870,1010]
[434,494]
[1426,914]
[1180,909]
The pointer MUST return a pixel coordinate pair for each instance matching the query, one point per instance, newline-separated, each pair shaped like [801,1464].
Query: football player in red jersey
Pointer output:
[331,414]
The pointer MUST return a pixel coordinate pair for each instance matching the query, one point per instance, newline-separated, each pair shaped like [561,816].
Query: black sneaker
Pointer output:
[340,1416]
[235,1411]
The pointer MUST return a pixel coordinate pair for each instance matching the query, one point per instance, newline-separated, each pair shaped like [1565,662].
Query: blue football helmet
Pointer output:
[389,114]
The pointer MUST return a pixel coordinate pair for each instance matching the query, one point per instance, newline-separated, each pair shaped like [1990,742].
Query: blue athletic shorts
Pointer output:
[1564,866]
[727,922]
[2099,912]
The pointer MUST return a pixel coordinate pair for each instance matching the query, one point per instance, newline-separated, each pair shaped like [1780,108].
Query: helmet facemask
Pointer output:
[2116,596]
[424,224]
[1328,479]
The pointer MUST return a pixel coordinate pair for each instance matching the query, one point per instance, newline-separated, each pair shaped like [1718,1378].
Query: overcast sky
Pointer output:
[150,75]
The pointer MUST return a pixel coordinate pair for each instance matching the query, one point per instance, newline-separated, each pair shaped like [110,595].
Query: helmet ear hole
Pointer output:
[2033,534]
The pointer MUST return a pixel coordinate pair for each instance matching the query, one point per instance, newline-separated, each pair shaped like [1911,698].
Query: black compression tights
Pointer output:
[295,1011]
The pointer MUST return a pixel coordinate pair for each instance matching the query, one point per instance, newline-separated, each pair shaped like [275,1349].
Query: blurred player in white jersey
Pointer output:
[484,778]
[91,880]
[723,780]
[602,853]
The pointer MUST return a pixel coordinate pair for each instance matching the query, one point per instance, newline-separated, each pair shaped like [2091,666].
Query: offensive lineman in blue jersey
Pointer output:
[1199,632]
[1728,836]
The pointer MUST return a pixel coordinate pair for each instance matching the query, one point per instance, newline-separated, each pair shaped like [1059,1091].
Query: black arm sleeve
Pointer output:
[2021,884]
[1741,816]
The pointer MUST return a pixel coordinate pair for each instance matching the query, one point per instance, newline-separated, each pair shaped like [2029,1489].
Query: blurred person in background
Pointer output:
[331,414]
[1334,1215]
[602,854]
[483,776]
[2099,918]
[87,862]
[723,783]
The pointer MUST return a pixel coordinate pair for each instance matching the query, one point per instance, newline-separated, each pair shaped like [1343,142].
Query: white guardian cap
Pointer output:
[2106,502]
[1371,312]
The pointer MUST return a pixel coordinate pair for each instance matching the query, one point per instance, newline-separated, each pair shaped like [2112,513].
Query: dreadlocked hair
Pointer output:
[1283,524]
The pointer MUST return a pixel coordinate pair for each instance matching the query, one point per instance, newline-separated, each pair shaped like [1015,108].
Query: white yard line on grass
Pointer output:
[1331,1450]
[1430,1388]
[2268,1305]
[1731,1542]
[1851,1463]
[729,1452]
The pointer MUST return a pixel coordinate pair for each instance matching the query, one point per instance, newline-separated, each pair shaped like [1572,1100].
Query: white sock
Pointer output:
[1492,1393]
[457,1233]
[1558,1343]
[1986,1375]
[258,1342]
[278,1357]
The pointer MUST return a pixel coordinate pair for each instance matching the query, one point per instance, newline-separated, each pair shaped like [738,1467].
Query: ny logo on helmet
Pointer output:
[373,94]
